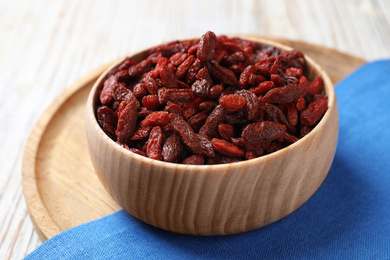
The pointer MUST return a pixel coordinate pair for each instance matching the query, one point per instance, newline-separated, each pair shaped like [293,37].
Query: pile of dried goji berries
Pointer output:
[210,101]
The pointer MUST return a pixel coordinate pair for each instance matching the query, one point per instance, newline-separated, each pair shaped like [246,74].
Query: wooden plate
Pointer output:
[60,187]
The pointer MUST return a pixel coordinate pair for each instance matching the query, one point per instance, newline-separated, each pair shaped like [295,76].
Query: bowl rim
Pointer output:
[329,92]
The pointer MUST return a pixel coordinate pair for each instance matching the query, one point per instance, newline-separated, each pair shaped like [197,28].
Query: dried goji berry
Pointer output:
[216,91]
[194,160]
[292,114]
[151,84]
[167,77]
[184,66]
[108,120]
[207,106]
[179,96]
[141,133]
[192,108]
[221,73]
[275,114]
[172,148]
[294,72]
[190,139]
[316,86]
[197,121]
[245,75]
[174,108]
[193,71]
[137,151]
[226,148]
[226,131]
[159,118]
[210,128]
[255,134]
[277,80]
[153,149]
[201,88]
[204,74]
[140,90]
[262,88]
[301,104]
[140,68]
[252,103]
[286,94]
[127,121]
[206,48]
[232,102]
[314,112]
[178,59]
[150,102]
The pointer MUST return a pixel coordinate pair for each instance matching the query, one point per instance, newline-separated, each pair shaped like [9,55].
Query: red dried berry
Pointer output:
[252,103]
[197,121]
[216,91]
[126,122]
[179,96]
[227,148]
[254,135]
[294,72]
[108,120]
[314,112]
[206,48]
[204,74]
[159,118]
[140,68]
[174,108]
[167,77]
[172,148]
[286,94]
[194,160]
[207,106]
[137,151]
[140,90]
[141,133]
[151,84]
[221,73]
[193,71]
[301,104]
[226,131]
[184,66]
[201,88]
[262,88]
[289,138]
[232,102]
[151,102]
[316,86]
[190,139]
[192,108]
[210,128]
[292,114]
[178,59]
[153,149]
[245,75]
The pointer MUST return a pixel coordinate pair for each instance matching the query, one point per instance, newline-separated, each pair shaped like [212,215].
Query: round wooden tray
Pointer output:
[60,186]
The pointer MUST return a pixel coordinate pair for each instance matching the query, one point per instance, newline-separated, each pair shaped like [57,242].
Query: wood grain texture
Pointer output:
[45,46]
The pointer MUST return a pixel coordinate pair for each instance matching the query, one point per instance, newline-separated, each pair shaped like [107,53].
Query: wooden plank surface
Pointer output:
[46,46]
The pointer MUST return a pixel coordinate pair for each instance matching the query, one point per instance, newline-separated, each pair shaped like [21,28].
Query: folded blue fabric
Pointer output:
[347,218]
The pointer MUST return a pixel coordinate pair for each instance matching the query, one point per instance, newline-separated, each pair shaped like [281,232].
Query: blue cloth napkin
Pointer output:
[347,218]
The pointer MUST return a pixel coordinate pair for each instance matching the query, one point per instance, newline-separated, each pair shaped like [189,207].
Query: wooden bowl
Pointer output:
[215,199]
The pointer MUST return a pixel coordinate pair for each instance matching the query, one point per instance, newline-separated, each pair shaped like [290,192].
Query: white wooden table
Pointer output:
[46,45]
